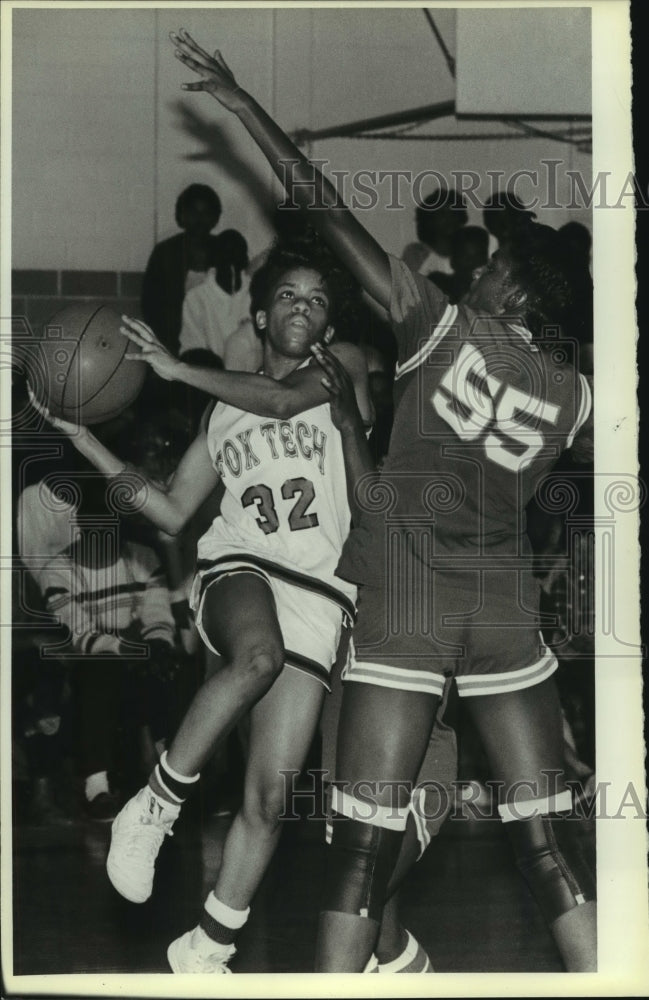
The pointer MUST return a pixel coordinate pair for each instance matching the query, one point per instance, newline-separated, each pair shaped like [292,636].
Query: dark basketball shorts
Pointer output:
[484,634]
[434,792]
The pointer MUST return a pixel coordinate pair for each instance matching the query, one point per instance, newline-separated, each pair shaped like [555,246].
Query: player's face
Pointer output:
[493,290]
[297,315]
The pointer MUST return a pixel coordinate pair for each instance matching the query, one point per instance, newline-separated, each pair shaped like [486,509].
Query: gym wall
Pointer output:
[104,139]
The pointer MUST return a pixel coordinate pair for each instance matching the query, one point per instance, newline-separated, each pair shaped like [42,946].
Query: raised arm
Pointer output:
[260,394]
[305,185]
[347,418]
[169,509]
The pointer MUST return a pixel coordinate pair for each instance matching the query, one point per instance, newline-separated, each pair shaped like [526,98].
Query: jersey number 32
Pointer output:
[261,496]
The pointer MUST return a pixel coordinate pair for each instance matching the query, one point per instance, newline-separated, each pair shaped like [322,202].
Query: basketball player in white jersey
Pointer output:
[265,595]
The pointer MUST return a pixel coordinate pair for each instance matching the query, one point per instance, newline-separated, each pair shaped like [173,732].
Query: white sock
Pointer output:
[96,784]
[226,915]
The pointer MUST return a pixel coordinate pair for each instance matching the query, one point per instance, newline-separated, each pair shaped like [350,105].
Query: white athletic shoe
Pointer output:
[413,958]
[136,837]
[196,952]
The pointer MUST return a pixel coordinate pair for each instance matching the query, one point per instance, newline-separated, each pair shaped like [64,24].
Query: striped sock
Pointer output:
[221,922]
[170,785]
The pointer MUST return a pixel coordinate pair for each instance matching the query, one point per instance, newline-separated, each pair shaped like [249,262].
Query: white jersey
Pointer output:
[285,506]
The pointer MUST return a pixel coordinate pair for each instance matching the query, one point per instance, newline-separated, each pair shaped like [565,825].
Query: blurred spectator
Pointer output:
[437,219]
[578,242]
[503,214]
[111,595]
[180,262]
[40,699]
[469,251]
[576,247]
[46,524]
[214,310]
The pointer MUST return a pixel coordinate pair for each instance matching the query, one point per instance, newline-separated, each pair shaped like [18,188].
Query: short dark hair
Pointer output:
[228,253]
[230,246]
[310,252]
[535,253]
[507,200]
[197,192]
[474,236]
[575,234]
[443,199]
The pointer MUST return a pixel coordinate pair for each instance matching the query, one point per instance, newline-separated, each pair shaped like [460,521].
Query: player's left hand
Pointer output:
[152,351]
[337,381]
[65,426]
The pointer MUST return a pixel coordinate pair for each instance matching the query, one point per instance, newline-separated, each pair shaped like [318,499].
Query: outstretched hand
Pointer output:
[152,351]
[66,426]
[216,77]
[337,381]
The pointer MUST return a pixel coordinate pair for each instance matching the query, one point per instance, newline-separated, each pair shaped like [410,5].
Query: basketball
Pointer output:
[80,369]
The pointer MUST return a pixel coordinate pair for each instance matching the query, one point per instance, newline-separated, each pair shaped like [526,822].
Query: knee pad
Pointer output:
[549,856]
[361,857]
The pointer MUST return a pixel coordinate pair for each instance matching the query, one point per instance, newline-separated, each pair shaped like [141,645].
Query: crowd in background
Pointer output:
[105,654]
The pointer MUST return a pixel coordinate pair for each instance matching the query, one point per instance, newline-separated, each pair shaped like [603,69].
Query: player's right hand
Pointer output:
[66,426]
[216,77]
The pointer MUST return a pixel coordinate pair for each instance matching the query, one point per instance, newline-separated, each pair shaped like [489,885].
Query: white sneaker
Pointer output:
[413,958]
[136,837]
[196,952]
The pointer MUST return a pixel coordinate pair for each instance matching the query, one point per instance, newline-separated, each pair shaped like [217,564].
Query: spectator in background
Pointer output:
[40,697]
[438,218]
[213,310]
[111,594]
[576,247]
[180,262]
[469,251]
[45,523]
[577,241]
[504,214]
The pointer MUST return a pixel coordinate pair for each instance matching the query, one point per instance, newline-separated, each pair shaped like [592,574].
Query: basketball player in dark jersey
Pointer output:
[485,403]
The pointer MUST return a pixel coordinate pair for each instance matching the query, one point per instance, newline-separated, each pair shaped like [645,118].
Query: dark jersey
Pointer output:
[482,412]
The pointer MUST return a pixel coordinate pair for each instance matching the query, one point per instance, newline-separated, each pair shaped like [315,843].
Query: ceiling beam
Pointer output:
[427,112]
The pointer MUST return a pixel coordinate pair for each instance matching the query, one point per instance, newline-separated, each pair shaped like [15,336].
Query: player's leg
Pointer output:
[383,734]
[282,726]
[239,618]
[397,950]
[522,735]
